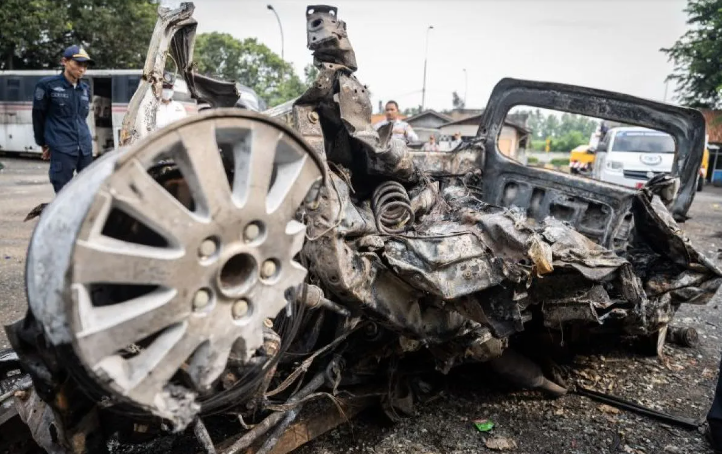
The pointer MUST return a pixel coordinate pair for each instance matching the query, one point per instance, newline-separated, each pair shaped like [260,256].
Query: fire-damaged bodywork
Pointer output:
[231,264]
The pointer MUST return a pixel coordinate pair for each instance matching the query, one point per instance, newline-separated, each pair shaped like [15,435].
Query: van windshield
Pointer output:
[643,142]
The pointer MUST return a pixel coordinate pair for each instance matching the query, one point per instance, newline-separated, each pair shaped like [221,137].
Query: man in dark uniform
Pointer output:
[60,106]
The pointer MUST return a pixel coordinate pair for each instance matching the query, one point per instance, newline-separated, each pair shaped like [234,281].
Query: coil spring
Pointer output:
[392,207]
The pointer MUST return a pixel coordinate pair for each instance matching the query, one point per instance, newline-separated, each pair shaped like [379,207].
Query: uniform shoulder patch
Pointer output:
[39,93]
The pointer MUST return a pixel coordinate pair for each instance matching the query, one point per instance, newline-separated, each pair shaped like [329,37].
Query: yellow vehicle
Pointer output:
[703,169]
[581,159]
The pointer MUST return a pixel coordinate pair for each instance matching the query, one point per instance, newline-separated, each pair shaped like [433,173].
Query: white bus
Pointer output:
[110,89]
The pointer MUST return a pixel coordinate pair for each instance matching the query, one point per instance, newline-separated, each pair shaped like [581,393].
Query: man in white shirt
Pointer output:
[402,130]
[168,110]
[431,145]
[456,141]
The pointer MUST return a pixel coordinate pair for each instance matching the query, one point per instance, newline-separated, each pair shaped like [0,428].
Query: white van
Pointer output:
[630,156]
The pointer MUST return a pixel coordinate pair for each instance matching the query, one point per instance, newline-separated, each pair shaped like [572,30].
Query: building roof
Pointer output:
[473,120]
[713,118]
[375,118]
[460,114]
[431,112]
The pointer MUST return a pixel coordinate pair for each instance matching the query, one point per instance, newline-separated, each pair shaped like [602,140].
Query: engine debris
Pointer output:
[214,266]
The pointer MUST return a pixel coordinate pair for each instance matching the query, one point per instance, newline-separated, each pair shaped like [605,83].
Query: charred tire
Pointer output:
[153,286]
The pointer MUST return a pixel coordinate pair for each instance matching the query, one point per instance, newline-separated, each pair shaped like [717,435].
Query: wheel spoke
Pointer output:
[153,367]
[291,187]
[108,329]
[143,198]
[200,163]
[254,166]
[110,261]
[209,361]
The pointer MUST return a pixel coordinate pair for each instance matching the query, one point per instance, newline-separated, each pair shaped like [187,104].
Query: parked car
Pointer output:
[630,156]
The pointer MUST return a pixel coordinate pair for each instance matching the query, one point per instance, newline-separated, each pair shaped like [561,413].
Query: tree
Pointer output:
[35,32]
[566,132]
[31,39]
[456,101]
[116,33]
[569,141]
[411,111]
[250,63]
[310,72]
[697,56]
[535,123]
[550,126]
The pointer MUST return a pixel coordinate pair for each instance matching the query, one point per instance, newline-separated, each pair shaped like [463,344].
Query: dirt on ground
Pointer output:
[681,382]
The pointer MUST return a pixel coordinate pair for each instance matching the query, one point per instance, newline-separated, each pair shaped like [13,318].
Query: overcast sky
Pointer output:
[609,44]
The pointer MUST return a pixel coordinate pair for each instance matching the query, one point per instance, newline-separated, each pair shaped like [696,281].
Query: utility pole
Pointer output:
[279,26]
[466,86]
[426,58]
[666,87]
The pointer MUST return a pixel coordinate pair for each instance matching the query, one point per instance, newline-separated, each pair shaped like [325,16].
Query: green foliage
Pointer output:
[536,123]
[566,132]
[115,33]
[559,162]
[554,126]
[568,141]
[538,145]
[310,72]
[532,160]
[249,62]
[411,111]
[697,56]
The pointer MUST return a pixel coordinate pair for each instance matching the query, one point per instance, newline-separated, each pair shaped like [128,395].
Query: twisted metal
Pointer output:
[392,208]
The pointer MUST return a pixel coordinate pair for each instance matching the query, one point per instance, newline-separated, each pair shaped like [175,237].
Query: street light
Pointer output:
[426,57]
[279,26]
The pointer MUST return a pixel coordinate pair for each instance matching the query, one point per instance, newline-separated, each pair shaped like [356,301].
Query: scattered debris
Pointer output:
[35,212]
[679,421]
[500,444]
[686,337]
[608,409]
[483,425]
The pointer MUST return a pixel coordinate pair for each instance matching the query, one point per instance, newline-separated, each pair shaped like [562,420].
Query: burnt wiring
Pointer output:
[248,385]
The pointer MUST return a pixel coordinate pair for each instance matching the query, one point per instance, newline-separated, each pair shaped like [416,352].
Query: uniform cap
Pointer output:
[77,53]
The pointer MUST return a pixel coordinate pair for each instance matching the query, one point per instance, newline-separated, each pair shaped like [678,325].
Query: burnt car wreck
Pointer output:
[232,269]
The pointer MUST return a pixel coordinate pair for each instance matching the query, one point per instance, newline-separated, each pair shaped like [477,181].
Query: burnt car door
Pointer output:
[595,208]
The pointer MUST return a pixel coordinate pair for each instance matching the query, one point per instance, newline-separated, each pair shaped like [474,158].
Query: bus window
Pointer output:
[89,83]
[29,83]
[118,88]
[133,82]
[12,92]
[124,87]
